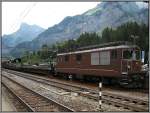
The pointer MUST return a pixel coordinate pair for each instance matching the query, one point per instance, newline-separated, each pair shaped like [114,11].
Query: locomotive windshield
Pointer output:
[127,54]
[130,54]
[137,55]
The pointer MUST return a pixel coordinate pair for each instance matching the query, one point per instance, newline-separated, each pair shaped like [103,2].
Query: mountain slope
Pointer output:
[25,33]
[105,14]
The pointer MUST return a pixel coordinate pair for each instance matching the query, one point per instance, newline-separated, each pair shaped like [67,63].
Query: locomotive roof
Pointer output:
[100,49]
[108,44]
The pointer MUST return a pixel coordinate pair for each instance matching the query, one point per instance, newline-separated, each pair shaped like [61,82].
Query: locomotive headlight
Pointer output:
[129,67]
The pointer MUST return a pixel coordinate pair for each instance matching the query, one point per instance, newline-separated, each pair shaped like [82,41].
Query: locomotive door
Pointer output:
[124,66]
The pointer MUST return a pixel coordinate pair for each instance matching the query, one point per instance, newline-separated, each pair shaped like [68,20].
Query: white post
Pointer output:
[100,95]
[142,56]
[70,77]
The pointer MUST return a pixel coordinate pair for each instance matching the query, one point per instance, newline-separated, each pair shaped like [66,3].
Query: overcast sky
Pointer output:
[44,14]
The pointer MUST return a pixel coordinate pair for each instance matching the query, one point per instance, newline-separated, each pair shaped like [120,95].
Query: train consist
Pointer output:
[113,62]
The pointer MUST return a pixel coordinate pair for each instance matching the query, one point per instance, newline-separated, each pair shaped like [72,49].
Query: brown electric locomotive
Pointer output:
[119,62]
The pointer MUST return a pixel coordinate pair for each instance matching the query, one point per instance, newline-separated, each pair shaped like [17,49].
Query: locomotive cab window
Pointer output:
[114,54]
[66,58]
[127,54]
[57,59]
[78,57]
[138,54]
[60,59]
[130,54]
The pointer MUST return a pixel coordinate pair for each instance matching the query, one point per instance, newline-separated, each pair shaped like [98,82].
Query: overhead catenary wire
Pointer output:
[22,15]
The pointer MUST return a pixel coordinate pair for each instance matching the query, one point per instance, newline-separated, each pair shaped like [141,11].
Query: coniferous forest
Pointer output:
[122,33]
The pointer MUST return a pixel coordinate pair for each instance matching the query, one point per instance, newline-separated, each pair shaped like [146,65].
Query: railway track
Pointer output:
[32,100]
[14,100]
[21,105]
[108,98]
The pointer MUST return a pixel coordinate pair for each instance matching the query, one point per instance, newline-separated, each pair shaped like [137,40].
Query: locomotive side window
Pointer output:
[95,58]
[114,54]
[66,58]
[105,58]
[78,57]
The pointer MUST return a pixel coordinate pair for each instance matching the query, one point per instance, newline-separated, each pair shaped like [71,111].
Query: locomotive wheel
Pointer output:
[134,85]
[137,81]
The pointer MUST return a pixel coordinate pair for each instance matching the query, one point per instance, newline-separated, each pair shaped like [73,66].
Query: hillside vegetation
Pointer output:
[122,33]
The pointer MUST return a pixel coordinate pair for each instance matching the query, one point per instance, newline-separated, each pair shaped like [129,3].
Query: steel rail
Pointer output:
[18,98]
[61,106]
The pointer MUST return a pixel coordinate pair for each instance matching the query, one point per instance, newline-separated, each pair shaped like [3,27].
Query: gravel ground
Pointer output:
[7,103]
[10,103]
[125,92]
[132,94]
[137,95]
[73,100]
